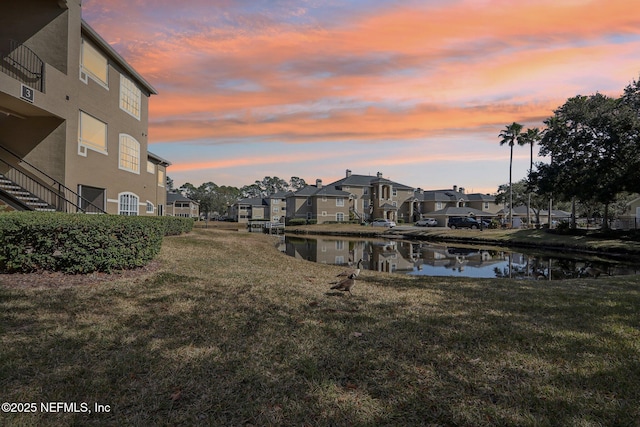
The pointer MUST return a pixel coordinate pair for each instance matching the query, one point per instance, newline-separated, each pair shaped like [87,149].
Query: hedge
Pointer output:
[79,243]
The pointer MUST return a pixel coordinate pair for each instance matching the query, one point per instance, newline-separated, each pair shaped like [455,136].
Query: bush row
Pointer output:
[32,241]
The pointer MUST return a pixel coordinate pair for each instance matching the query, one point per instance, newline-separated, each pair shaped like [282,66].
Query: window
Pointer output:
[129,97]
[129,154]
[149,207]
[93,64]
[365,191]
[275,209]
[275,201]
[395,192]
[340,201]
[160,178]
[128,204]
[308,201]
[151,167]
[92,134]
[340,216]
[486,205]
[439,205]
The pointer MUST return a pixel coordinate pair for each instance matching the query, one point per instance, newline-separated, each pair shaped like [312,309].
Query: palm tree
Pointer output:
[509,136]
[531,136]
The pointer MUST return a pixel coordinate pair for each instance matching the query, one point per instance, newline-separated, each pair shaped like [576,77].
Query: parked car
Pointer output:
[380,222]
[463,222]
[427,222]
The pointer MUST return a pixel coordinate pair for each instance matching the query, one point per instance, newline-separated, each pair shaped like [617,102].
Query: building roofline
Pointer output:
[102,43]
[160,160]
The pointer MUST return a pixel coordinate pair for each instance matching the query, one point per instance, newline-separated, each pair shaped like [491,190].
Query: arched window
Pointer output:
[128,204]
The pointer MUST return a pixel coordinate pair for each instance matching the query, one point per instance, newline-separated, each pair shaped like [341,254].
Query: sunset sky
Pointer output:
[417,90]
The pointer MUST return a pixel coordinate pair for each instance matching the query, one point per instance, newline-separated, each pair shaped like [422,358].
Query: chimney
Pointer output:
[455,188]
[348,173]
[420,190]
[319,183]
[462,190]
[379,174]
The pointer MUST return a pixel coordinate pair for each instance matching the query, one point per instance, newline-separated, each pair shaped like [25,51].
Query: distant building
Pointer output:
[182,206]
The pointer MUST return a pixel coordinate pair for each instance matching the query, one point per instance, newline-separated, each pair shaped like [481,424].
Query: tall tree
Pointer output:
[509,135]
[531,137]
[592,141]
[296,183]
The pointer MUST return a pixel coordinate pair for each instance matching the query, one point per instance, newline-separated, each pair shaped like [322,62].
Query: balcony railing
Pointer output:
[21,63]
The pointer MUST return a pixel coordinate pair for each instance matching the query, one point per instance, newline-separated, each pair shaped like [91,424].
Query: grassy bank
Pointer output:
[231,332]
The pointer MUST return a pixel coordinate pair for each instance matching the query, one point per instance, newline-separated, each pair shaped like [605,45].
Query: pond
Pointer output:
[443,259]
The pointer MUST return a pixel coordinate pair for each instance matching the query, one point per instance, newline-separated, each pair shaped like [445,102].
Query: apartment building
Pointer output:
[73,117]
[443,204]
[270,208]
[181,206]
[354,197]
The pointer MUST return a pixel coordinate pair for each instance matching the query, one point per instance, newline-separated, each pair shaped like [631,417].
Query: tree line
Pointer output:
[214,198]
[593,143]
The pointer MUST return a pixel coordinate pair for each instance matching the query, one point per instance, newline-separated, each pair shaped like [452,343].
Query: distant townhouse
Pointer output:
[319,203]
[182,206]
[443,204]
[354,197]
[73,118]
[270,208]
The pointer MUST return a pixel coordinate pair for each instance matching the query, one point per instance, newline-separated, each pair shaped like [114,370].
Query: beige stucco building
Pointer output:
[73,117]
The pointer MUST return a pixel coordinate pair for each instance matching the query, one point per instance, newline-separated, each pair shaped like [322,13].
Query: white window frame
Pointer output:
[340,216]
[84,143]
[150,205]
[130,97]
[340,201]
[151,167]
[87,50]
[129,154]
[126,203]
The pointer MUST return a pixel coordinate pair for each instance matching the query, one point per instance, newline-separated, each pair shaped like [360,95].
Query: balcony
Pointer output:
[21,63]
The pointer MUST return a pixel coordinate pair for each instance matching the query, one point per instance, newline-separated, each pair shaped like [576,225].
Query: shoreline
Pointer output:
[540,239]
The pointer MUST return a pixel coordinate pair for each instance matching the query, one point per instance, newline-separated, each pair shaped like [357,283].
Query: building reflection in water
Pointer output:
[423,258]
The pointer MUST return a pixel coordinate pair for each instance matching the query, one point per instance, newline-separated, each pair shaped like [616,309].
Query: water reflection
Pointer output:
[423,258]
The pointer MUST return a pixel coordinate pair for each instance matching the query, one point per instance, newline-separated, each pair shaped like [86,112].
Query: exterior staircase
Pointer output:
[23,197]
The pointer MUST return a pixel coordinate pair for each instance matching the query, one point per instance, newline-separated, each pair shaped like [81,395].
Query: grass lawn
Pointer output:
[231,332]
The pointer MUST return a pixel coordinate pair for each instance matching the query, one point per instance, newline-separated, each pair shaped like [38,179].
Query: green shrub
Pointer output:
[77,243]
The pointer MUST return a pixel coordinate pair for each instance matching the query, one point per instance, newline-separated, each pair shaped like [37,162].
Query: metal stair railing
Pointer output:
[57,195]
[21,63]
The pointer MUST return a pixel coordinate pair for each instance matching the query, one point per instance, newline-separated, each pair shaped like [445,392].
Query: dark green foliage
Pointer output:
[32,241]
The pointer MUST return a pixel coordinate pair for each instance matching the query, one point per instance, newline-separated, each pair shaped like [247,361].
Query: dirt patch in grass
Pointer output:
[49,279]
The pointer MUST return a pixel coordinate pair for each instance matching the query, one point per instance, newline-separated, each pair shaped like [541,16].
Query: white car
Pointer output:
[383,223]
[427,222]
